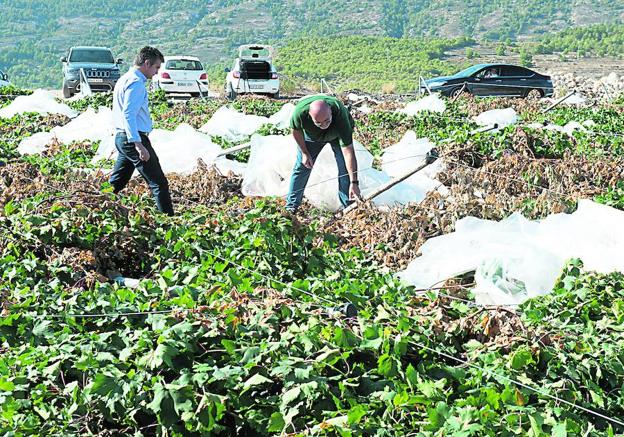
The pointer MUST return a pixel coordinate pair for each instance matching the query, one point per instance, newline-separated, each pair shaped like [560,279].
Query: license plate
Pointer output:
[184,84]
[96,80]
[256,87]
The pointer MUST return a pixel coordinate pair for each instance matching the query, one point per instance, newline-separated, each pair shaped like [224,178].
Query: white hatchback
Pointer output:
[253,72]
[182,74]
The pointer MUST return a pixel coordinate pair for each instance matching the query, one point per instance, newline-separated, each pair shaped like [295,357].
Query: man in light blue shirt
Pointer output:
[133,124]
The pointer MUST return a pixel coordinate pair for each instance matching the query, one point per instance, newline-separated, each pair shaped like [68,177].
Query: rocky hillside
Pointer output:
[34,34]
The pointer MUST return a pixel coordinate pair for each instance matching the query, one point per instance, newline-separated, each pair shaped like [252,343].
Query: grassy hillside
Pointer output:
[600,39]
[34,34]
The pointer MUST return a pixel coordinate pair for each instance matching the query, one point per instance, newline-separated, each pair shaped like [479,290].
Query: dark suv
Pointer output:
[493,80]
[101,70]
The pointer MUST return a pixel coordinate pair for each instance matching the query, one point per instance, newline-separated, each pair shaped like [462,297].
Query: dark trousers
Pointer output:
[151,171]
[301,174]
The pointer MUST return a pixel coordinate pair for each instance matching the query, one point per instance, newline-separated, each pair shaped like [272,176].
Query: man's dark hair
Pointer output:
[150,54]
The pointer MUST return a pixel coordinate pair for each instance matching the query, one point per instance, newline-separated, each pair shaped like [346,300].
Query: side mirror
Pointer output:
[227,70]
[63,59]
[5,77]
[477,79]
[119,61]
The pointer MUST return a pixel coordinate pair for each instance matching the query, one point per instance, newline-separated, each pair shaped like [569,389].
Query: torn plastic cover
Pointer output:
[88,126]
[432,103]
[273,157]
[40,101]
[233,125]
[499,117]
[516,259]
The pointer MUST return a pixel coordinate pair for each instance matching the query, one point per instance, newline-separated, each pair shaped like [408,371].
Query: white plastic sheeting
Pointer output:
[432,103]
[273,157]
[516,259]
[40,101]
[568,129]
[281,119]
[233,125]
[179,151]
[500,117]
[88,126]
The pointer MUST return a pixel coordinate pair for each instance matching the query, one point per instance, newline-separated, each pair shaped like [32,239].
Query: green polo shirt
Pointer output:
[340,128]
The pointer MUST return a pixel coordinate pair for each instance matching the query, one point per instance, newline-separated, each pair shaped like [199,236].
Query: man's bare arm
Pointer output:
[352,168]
[300,139]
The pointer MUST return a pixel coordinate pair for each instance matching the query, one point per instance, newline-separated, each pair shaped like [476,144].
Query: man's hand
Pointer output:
[143,153]
[307,161]
[354,192]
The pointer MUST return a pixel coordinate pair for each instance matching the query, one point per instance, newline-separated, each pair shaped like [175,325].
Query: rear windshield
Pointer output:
[181,64]
[255,52]
[96,56]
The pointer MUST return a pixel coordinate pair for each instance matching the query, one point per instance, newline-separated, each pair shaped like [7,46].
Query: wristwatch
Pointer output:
[355,182]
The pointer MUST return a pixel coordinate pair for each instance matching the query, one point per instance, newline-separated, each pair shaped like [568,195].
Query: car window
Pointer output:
[183,64]
[96,56]
[489,73]
[516,72]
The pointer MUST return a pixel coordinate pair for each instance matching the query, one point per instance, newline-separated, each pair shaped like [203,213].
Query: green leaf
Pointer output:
[104,385]
[560,430]
[290,396]
[521,358]
[6,385]
[276,423]
[257,379]
[386,365]
[356,413]
[159,394]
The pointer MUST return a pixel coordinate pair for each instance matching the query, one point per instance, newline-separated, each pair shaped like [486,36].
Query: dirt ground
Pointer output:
[592,67]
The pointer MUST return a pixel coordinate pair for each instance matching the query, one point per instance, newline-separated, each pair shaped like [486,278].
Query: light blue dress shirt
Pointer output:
[130,106]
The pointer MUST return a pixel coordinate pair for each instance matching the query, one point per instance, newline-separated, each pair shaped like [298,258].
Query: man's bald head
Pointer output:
[320,113]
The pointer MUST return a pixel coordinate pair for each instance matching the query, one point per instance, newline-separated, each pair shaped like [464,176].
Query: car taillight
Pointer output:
[236,74]
[274,76]
[165,75]
[204,76]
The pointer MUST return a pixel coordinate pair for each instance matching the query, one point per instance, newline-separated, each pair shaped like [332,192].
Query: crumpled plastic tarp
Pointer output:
[500,117]
[179,151]
[568,129]
[233,125]
[88,126]
[516,258]
[40,101]
[432,103]
[273,157]
[281,119]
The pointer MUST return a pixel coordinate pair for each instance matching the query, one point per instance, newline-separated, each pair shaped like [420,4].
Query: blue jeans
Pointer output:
[151,171]
[301,174]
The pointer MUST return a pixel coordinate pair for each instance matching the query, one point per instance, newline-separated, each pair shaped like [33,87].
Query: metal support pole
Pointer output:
[558,102]
[234,149]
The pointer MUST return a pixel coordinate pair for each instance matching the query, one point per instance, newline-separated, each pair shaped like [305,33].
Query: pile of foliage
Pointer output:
[233,327]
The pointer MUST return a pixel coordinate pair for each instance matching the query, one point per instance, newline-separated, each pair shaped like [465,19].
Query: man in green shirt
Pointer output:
[316,121]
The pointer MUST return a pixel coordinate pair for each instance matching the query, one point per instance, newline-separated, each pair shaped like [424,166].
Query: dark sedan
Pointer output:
[500,80]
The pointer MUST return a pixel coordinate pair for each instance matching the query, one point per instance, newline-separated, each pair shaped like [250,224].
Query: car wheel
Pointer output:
[66,91]
[195,95]
[231,94]
[276,95]
[534,94]
[456,92]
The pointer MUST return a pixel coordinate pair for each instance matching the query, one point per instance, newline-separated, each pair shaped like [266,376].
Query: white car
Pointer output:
[253,72]
[4,79]
[182,74]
